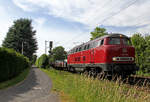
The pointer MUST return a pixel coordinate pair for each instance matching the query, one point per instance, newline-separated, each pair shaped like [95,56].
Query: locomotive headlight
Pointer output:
[132,58]
[123,59]
[114,59]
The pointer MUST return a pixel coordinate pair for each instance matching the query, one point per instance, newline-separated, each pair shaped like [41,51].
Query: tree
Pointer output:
[139,42]
[21,37]
[147,53]
[42,61]
[98,32]
[59,53]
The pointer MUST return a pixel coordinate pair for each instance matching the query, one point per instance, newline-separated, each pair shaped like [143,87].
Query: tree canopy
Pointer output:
[21,37]
[42,61]
[58,53]
[142,51]
[98,32]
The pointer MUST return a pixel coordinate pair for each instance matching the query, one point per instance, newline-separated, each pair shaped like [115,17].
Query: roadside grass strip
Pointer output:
[140,73]
[81,88]
[16,80]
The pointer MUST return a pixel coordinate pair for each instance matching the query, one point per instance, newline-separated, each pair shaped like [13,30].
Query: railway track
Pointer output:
[139,81]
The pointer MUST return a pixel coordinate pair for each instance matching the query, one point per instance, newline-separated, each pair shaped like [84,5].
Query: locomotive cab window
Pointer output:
[126,41]
[114,40]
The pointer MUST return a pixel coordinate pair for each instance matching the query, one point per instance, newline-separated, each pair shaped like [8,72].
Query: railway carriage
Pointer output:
[111,54]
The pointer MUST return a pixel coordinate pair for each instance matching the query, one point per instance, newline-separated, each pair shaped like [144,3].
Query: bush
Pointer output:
[42,61]
[11,63]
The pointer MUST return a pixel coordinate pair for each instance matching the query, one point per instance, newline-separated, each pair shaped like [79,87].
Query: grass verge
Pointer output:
[15,80]
[140,73]
[80,88]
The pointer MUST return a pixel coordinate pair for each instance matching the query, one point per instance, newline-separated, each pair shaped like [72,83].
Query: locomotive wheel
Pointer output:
[93,72]
[72,69]
[101,75]
[90,72]
[86,72]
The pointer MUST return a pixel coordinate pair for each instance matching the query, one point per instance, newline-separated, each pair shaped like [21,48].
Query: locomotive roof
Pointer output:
[112,35]
[102,37]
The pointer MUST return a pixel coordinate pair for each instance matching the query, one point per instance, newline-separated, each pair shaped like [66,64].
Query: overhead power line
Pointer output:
[128,5]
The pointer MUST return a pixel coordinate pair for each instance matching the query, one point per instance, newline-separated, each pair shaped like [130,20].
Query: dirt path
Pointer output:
[36,88]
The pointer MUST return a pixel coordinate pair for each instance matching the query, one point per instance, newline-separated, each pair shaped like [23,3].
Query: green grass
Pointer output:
[15,80]
[80,88]
[140,73]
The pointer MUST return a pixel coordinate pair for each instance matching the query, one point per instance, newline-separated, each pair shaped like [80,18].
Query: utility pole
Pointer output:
[46,46]
[50,46]
[22,49]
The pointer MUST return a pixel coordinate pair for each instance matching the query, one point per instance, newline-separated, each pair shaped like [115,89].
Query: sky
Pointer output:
[69,22]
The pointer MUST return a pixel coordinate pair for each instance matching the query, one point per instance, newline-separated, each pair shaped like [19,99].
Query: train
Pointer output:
[109,54]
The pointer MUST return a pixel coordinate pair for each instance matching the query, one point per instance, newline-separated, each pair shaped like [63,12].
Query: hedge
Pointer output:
[11,63]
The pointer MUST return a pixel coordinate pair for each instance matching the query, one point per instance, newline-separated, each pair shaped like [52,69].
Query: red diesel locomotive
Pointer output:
[111,54]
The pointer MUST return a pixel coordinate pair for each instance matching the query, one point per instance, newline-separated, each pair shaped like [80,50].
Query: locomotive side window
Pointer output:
[76,49]
[91,45]
[73,50]
[102,42]
[80,49]
[114,41]
[85,47]
[126,41]
[88,46]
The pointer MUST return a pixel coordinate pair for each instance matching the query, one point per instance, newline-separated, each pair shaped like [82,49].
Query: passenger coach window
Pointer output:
[114,41]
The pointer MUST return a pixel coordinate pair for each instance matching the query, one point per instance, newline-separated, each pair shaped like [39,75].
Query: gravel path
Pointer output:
[36,88]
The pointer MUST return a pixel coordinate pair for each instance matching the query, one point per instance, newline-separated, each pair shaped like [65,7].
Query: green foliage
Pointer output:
[81,88]
[21,35]
[34,58]
[58,53]
[98,32]
[42,61]
[142,51]
[11,63]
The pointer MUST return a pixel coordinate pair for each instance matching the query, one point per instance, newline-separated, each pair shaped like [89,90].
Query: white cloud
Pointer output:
[40,21]
[25,5]
[94,12]
[136,15]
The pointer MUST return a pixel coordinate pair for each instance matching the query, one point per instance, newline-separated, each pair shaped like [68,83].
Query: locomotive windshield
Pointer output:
[114,40]
[117,40]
